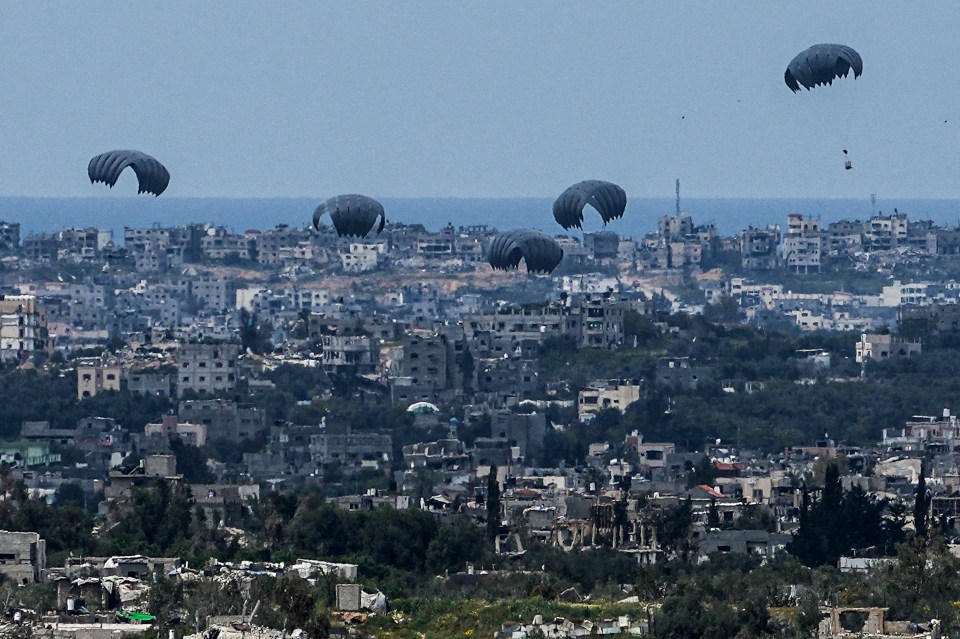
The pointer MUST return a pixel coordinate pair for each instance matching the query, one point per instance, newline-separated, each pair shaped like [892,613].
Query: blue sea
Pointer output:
[728,214]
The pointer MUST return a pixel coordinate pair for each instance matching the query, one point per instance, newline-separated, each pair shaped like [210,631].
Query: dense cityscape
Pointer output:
[325,433]
[382,320]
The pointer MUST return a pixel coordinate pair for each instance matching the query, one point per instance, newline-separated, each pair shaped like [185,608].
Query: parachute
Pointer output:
[107,167]
[541,252]
[607,198]
[820,65]
[351,214]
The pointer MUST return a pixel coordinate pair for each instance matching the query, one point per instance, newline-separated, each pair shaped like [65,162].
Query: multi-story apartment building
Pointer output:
[675,227]
[132,237]
[944,241]
[534,324]
[843,236]
[600,322]
[511,375]
[9,237]
[83,244]
[524,431]
[349,354]
[597,396]
[274,247]
[223,419]
[150,248]
[96,378]
[900,294]
[798,224]
[801,248]
[602,246]
[23,557]
[88,305]
[218,244]
[919,233]
[351,450]
[23,327]
[207,368]
[141,381]
[303,252]
[363,256]
[758,248]
[873,346]
[801,253]
[593,321]
[42,247]
[426,357]
[204,290]
[307,299]
[885,232]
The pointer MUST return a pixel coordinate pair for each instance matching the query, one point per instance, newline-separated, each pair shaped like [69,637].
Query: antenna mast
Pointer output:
[873,203]
[678,196]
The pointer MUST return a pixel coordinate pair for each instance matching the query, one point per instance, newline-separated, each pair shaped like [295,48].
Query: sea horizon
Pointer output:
[730,215]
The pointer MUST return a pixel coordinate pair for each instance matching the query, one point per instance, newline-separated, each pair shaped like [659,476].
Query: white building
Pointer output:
[898,294]
[23,327]
[609,394]
[363,256]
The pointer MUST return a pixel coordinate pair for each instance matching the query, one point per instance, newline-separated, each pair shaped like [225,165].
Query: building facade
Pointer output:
[207,368]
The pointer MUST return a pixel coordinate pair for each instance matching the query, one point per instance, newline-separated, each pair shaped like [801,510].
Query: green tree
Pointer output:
[639,328]
[454,546]
[493,504]
[726,309]
[920,584]
[808,544]
[674,529]
[713,515]
[808,615]
[290,602]
[703,473]
[191,462]
[921,505]
[467,367]
[755,517]
[254,334]
[301,329]
[164,597]
[692,614]
[841,521]
[206,598]
[172,529]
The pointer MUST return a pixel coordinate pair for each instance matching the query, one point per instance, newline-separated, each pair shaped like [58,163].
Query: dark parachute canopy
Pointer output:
[820,65]
[541,252]
[607,198]
[107,167]
[351,214]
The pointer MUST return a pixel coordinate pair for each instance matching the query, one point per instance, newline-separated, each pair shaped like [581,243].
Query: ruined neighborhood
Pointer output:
[211,374]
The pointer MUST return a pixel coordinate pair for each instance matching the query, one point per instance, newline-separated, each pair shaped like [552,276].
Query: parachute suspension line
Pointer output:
[835,130]
[819,66]
[847,105]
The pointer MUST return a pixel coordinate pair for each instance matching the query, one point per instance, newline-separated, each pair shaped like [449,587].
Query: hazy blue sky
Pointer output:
[478,99]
